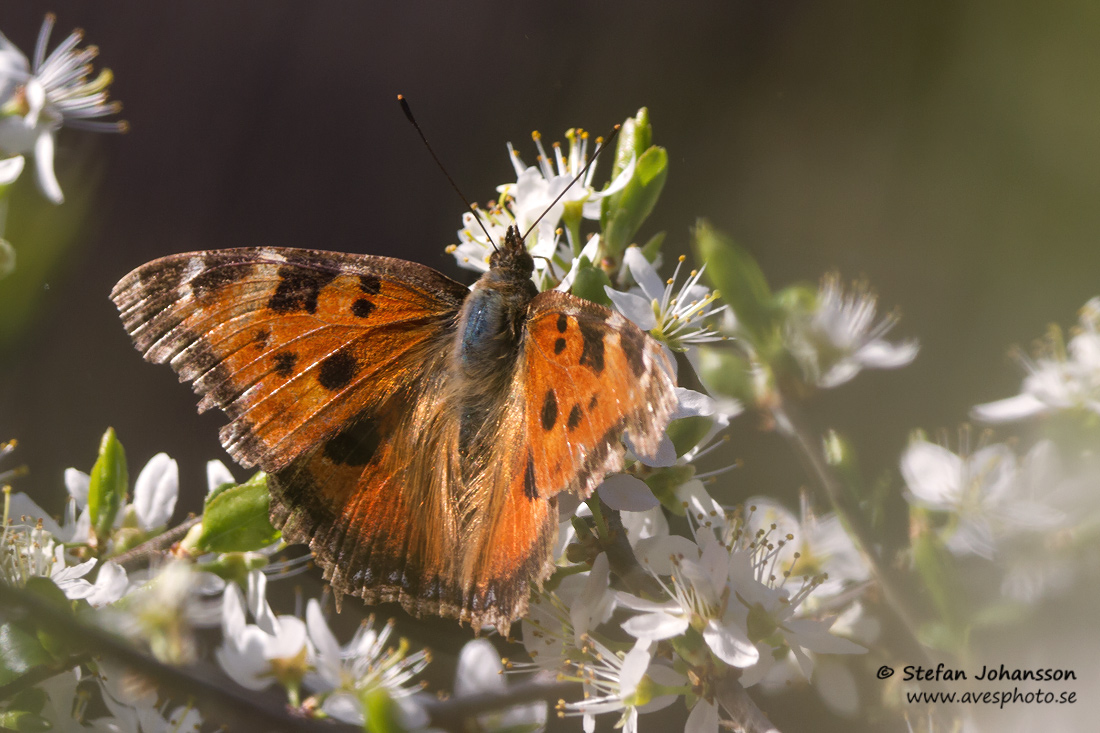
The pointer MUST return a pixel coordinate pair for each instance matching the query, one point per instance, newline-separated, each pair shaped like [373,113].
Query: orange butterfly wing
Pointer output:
[586,375]
[291,344]
[329,366]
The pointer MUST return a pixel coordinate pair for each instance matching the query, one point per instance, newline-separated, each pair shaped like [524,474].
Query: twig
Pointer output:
[791,425]
[446,713]
[243,710]
[144,553]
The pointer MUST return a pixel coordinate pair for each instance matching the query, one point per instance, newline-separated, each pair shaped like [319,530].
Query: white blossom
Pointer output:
[677,318]
[37,99]
[345,675]
[837,336]
[1062,379]
[982,492]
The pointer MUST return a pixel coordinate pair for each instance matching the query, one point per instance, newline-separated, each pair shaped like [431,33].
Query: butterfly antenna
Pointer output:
[408,114]
[579,176]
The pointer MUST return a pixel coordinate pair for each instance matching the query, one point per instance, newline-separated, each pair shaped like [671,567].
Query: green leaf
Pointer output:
[59,646]
[20,652]
[686,433]
[7,258]
[23,721]
[739,280]
[590,283]
[236,518]
[107,487]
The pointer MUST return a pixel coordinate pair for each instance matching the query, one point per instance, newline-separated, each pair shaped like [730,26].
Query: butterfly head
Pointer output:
[512,257]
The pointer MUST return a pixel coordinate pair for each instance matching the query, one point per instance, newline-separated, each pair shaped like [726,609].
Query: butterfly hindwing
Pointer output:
[584,376]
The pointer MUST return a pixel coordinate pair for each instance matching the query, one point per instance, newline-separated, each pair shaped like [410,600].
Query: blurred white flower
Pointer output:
[481,671]
[982,492]
[836,337]
[37,99]
[1063,379]
[255,658]
[28,550]
[344,676]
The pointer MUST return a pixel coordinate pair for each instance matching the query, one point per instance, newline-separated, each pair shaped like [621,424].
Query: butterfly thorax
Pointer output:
[490,330]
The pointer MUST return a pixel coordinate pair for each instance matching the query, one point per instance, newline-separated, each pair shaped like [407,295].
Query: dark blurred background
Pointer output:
[948,152]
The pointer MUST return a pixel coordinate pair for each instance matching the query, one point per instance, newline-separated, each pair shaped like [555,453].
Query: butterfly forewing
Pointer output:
[292,344]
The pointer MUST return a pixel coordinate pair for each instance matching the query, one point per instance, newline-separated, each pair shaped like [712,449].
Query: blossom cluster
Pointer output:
[664,593]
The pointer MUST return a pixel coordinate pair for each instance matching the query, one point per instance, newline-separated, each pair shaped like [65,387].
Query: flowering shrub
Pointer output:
[665,593]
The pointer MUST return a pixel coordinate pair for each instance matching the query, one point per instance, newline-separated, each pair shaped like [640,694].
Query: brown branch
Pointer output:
[143,554]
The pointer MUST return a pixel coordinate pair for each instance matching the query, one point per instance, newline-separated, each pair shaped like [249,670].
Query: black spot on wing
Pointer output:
[563,322]
[261,337]
[337,371]
[529,489]
[592,353]
[549,410]
[284,363]
[298,289]
[355,446]
[370,284]
[633,343]
[362,308]
[593,402]
[575,415]
[559,346]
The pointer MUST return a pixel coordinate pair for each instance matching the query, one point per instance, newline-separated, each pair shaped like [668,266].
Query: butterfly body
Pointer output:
[416,433]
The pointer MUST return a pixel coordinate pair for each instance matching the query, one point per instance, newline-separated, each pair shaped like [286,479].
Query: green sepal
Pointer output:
[622,213]
[23,721]
[652,248]
[686,432]
[107,485]
[380,713]
[235,518]
[590,283]
[740,281]
[726,373]
[235,566]
[634,203]
[663,482]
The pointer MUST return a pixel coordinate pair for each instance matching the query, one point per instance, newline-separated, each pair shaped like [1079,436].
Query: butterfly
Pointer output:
[415,432]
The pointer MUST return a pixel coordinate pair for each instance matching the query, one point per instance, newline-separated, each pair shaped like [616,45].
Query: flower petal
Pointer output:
[479,669]
[1010,409]
[43,163]
[933,473]
[729,643]
[627,493]
[635,307]
[155,491]
[656,626]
